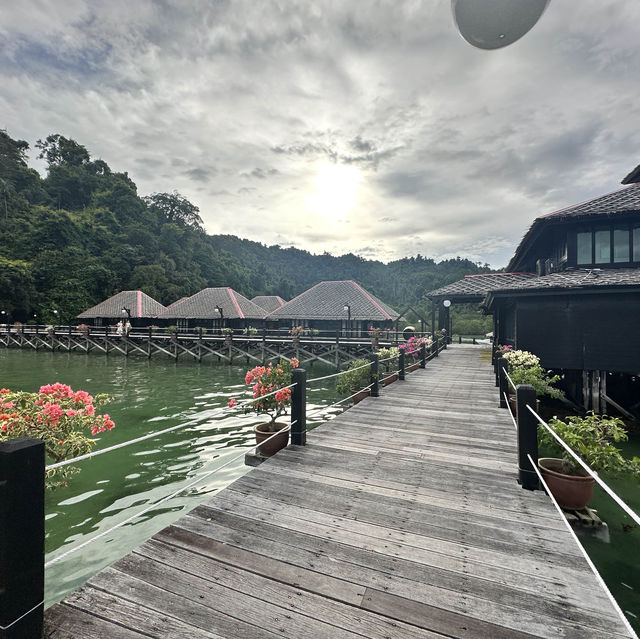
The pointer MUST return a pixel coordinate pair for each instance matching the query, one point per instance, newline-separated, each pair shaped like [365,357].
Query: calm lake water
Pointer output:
[147,396]
[152,395]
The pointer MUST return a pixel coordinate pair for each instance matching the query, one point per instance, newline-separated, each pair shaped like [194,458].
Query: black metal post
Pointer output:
[436,343]
[503,364]
[373,379]
[299,407]
[21,538]
[423,355]
[527,436]
[401,364]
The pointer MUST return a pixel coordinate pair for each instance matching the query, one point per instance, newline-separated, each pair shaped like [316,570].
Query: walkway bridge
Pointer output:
[400,518]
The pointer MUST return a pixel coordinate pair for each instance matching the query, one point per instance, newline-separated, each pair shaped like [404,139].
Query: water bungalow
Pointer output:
[572,296]
[335,306]
[268,302]
[138,307]
[220,307]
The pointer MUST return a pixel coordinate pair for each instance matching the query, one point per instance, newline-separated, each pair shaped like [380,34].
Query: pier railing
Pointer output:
[526,421]
[22,475]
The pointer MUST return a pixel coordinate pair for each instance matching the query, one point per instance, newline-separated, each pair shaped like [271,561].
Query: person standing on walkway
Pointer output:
[119,329]
[127,328]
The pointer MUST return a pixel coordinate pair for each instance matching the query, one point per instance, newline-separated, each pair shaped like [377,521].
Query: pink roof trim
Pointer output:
[138,303]
[235,302]
[371,299]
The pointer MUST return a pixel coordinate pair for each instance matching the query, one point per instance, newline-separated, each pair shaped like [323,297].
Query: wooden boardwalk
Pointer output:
[401,518]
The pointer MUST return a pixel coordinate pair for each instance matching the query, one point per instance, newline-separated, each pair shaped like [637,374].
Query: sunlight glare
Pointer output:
[336,190]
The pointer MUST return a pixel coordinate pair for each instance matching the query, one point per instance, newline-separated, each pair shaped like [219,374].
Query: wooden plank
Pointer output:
[65,622]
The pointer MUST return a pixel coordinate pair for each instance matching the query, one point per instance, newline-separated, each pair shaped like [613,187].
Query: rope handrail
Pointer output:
[513,419]
[582,550]
[349,370]
[504,370]
[84,544]
[157,433]
[341,401]
[591,472]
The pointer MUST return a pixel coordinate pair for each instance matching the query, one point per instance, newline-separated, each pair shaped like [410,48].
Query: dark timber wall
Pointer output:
[583,332]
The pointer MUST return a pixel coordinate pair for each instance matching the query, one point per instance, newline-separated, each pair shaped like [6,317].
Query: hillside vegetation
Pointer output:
[82,233]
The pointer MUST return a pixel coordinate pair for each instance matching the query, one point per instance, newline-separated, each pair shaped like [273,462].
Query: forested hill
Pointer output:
[83,233]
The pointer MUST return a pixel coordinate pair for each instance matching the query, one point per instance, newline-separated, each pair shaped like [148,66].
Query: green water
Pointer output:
[147,396]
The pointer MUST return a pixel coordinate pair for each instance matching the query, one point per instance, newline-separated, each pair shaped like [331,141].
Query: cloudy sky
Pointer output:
[341,126]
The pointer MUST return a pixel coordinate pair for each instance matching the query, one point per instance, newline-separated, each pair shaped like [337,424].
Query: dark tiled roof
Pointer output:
[268,302]
[477,286]
[583,278]
[623,201]
[138,303]
[201,305]
[326,301]
[174,304]
[634,176]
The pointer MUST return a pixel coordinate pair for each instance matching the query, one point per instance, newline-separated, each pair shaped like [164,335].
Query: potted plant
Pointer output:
[228,335]
[592,438]
[354,379]
[389,360]
[57,415]
[412,349]
[296,333]
[263,381]
[375,333]
[250,330]
[524,368]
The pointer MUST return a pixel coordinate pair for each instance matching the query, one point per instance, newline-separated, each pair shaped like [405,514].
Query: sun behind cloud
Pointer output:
[335,191]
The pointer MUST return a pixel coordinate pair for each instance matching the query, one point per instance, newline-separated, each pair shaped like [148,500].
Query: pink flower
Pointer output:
[232,403]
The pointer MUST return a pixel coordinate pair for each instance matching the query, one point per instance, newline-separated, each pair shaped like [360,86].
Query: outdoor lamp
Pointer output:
[446,303]
[492,24]
[218,310]
[126,311]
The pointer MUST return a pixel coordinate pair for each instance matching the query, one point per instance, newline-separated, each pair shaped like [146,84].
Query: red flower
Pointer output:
[232,403]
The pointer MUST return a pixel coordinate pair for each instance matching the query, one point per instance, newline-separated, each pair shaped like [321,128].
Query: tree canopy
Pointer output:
[82,233]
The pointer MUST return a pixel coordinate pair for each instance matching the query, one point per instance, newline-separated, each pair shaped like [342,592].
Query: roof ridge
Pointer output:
[371,299]
[232,295]
[593,199]
[292,300]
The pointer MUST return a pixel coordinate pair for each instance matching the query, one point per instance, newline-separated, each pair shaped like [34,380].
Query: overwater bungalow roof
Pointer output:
[139,304]
[326,301]
[202,305]
[268,302]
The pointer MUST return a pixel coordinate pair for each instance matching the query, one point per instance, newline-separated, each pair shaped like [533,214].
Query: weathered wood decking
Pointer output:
[401,518]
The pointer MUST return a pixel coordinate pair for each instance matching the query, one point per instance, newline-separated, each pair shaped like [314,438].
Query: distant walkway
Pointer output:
[401,518]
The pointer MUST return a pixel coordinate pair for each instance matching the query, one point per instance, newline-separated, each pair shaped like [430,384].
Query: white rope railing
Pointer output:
[15,621]
[157,433]
[504,370]
[593,474]
[341,401]
[513,419]
[349,370]
[84,544]
[583,551]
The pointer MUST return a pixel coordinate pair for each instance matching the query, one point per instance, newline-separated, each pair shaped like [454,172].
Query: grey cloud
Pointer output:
[201,174]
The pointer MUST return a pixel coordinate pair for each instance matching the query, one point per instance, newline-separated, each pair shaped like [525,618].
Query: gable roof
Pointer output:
[473,288]
[201,305]
[634,176]
[623,201]
[326,301]
[268,302]
[139,304]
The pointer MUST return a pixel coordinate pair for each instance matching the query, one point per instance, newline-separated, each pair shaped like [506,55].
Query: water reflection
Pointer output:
[147,396]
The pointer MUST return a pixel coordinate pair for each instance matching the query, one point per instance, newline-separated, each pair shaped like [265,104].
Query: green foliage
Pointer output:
[524,368]
[83,233]
[593,439]
[391,356]
[354,378]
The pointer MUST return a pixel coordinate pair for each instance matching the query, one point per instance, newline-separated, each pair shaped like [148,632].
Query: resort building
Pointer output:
[571,295]
[138,307]
[268,302]
[334,306]
[213,308]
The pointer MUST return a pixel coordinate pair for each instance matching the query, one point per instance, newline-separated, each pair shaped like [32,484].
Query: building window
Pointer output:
[603,246]
[584,248]
[636,244]
[621,245]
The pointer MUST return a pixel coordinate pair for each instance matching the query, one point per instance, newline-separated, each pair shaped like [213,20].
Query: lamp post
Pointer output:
[447,319]
[4,317]
[218,310]
[127,312]
[347,310]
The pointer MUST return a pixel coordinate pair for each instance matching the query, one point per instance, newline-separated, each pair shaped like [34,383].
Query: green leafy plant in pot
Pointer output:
[354,379]
[592,438]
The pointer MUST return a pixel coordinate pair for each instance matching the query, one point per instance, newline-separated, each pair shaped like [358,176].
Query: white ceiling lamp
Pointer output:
[492,24]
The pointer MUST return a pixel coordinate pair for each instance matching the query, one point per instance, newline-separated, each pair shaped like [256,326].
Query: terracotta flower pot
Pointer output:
[273,445]
[360,395]
[414,367]
[572,492]
[390,379]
